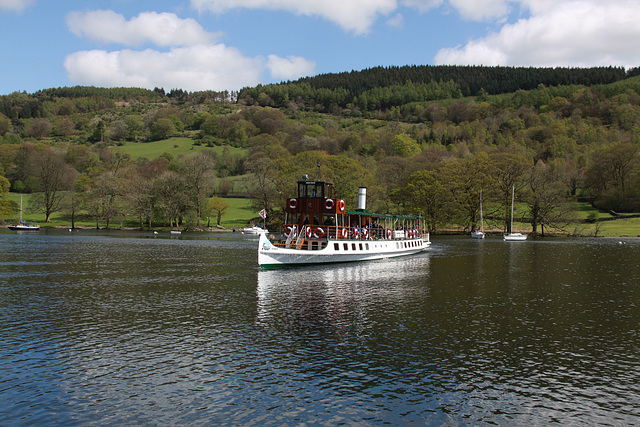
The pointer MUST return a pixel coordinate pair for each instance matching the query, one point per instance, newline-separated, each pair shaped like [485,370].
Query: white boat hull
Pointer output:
[514,237]
[342,250]
[254,230]
[477,235]
[23,227]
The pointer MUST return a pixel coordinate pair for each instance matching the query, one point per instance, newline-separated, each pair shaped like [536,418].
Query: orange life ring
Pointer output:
[329,204]
[341,205]
[293,203]
[318,233]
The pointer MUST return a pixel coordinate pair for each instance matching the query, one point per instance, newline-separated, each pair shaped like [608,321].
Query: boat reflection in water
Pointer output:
[326,289]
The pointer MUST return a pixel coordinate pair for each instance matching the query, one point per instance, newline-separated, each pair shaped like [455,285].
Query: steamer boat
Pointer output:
[318,229]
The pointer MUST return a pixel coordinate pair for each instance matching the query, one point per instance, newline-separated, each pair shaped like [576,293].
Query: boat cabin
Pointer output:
[316,216]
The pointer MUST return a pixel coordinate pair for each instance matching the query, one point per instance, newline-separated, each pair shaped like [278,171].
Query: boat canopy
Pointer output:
[389,216]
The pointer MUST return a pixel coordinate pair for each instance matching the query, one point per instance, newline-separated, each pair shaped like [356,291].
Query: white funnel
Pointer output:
[362,198]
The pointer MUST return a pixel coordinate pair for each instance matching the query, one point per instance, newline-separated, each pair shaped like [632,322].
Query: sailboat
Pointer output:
[513,237]
[479,233]
[24,226]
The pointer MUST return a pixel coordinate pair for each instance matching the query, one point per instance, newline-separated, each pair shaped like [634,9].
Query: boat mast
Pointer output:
[481,220]
[513,191]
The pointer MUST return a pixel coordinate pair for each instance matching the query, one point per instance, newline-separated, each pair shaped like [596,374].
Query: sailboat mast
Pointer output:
[20,208]
[513,191]
[481,220]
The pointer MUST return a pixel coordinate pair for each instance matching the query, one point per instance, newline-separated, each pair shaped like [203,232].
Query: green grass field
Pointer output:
[237,215]
[174,146]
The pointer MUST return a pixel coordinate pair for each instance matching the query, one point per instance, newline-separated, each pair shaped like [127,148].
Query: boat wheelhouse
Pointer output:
[318,229]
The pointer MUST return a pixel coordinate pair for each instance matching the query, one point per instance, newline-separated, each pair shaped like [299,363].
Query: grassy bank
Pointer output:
[240,213]
[237,215]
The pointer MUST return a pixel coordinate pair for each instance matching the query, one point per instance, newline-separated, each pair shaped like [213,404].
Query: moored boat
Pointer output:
[318,229]
[511,236]
[479,233]
[254,230]
[24,226]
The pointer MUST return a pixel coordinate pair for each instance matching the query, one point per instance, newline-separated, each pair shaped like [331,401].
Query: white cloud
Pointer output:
[397,21]
[161,29]
[193,68]
[356,16]
[577,33]
[15,5]
[289,68]
[193,61]
[480,10]
[422,5]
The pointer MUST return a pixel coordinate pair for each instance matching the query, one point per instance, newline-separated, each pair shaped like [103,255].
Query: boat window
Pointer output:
[336,246]
[366,246]
[345,246]
[360,246]
[353,246]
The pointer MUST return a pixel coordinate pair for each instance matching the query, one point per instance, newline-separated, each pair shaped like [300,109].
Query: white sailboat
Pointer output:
[479,233]
[513,237]
[24,226]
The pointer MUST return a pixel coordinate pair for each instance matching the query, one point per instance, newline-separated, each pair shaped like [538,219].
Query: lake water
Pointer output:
[126,328]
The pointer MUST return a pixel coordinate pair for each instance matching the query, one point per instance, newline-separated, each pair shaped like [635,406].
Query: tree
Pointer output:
[507,172]
[405,146]
[198,173]
[7,207]
[546,198]
[171,196]
[142,198]
[609,174]
[162,129]
[218,207]
[52,175]
[427,196]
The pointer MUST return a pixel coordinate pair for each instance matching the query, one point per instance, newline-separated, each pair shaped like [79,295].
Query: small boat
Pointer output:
[318,229]
[513,237]
[24,226]
[254,230]
[479,233]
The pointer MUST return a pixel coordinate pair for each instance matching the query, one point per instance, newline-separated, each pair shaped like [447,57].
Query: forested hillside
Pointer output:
[423,139]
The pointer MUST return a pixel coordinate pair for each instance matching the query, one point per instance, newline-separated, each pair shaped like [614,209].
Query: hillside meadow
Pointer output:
[175,146]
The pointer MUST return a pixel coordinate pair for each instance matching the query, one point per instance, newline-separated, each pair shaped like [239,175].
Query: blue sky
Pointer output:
[230,44]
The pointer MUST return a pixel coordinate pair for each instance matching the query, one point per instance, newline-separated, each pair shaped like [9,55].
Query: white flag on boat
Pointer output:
[263,214]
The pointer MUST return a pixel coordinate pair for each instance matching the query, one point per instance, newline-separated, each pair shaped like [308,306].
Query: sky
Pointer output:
[219,45]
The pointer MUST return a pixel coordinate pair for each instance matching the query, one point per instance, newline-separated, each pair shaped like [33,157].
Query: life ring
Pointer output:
[329,204]
[365,234]
[388,234]
[308,232]
[345,233]
[356,232]
[293,203]
[318,233]
[341,205]
[288,230]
